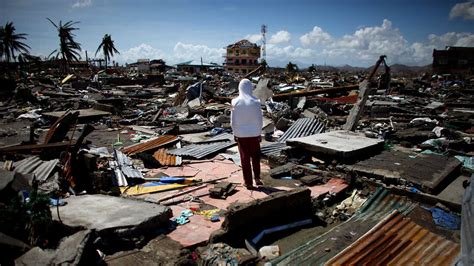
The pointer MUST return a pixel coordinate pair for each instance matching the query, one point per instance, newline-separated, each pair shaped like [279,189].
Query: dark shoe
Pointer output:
[258,182]
[249,187]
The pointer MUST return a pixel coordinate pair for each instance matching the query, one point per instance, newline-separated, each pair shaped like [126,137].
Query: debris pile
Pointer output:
[121,165]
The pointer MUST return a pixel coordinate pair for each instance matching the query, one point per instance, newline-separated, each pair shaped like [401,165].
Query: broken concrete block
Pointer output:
[101,212]
[429,173]
[245,220]
[73,250]
[282,170]
[11,248]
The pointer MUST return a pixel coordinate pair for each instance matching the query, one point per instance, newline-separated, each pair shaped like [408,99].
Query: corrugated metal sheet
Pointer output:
[199,151]
[123,168]
[222,136]
[273,148]
[34,165]
[375,209]
[303,127]
[397,240]
[150,145]
[166,159]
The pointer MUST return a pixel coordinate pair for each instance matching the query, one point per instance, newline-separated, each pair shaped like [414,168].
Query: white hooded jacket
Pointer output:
[246,114]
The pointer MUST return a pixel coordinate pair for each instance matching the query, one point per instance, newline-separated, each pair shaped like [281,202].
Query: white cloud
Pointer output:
[422,52]
[185,52]
[365,45]
[369,43]
[316,36]
[465,10]
[280,37]
[82,3]
[142,51]
[288,53]
[253,38]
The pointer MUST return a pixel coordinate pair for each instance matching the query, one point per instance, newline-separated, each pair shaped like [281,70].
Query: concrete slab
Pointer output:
[454,192]
[212,170]
[429,173]
[342,144]
[101,212]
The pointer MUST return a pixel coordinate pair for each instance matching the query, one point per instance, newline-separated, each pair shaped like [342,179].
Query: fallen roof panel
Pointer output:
[273,148]
[303,127]
[34,165]
[397,240]
[150,145]
[199,151]
[166,159]
[319,250]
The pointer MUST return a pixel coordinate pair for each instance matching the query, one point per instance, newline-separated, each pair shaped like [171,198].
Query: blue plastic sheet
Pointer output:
[445,219]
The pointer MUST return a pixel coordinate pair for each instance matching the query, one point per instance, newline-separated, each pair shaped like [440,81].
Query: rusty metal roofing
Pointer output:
[166,159]
[397,240]
[322,248]
[34,165]
[150,145]
[303,127]
[199,151]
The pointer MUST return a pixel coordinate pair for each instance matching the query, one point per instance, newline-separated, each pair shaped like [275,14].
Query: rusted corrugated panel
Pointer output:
[303,127]
[322,248]
[397,240]
[166,159]
[150,145]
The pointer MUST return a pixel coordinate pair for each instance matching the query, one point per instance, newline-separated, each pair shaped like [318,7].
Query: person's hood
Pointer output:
[245,89]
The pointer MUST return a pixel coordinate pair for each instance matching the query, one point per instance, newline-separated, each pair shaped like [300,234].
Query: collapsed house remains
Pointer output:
[356,168]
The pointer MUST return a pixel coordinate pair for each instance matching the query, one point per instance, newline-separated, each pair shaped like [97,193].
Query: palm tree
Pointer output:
[11,42]
[68,48]
[108,48]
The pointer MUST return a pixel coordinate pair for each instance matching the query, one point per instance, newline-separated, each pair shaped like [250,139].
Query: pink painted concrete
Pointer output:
[335,185]
[197,231]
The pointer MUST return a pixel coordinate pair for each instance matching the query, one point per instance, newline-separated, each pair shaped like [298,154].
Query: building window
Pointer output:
[443,61]
[244,61]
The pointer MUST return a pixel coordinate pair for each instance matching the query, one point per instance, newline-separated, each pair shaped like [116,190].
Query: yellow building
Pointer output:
[242,57]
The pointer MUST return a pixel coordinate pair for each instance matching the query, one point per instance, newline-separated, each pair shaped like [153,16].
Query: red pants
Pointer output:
[249,149]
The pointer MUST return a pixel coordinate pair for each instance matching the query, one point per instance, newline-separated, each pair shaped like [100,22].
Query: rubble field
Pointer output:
[145,169]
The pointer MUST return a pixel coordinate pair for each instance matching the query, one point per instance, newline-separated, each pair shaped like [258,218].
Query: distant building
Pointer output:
[194,66]
[453,60]
[146,66]
[242,57]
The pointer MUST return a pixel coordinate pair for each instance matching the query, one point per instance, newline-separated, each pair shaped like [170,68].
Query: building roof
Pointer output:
[198,64]
[242,44]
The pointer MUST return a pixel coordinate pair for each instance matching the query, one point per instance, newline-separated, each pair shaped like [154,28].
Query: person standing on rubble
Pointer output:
[246,121]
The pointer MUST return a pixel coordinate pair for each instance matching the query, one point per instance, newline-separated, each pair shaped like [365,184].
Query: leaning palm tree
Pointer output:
[68,48]
[11,42]
[108,48]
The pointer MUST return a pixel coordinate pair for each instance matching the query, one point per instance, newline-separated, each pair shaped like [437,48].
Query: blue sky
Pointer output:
[321,32]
